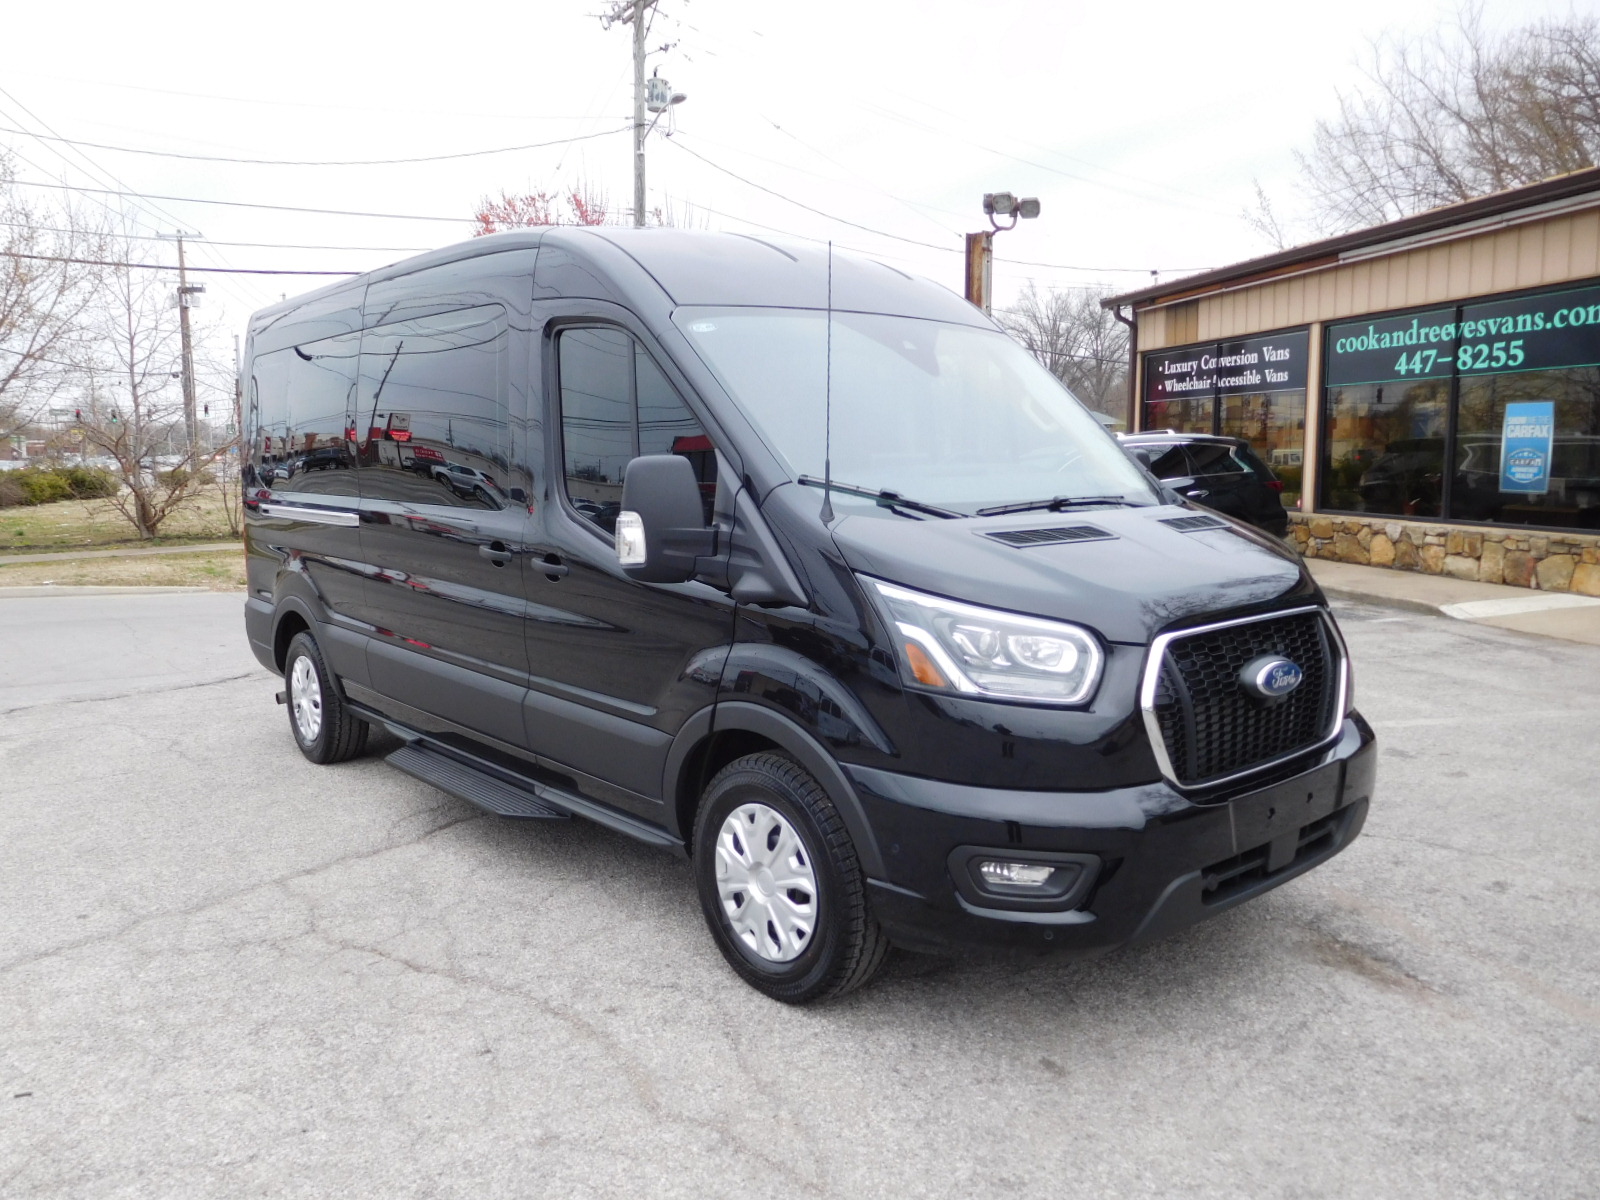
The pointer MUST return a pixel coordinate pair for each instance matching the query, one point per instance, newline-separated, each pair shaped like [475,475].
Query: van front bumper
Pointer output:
[1159,861]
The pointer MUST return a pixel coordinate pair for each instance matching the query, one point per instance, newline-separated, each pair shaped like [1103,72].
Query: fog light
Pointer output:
[1015,874]
[1042,880]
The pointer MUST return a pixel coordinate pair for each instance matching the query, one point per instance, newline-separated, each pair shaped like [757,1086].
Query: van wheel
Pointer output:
[780,884]
[324,729]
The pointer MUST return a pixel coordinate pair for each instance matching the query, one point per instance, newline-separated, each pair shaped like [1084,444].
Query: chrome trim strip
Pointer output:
[317,516]
[1152,676]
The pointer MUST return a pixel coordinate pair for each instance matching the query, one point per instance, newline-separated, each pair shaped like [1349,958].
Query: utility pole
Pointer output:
[639,7]
[188,297]
[633,11]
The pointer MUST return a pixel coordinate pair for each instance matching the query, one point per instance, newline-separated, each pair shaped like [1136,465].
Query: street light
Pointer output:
[980,246]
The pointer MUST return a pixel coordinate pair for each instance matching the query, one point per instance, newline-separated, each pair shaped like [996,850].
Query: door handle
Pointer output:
[496,553]
[553,567]
[1196,493]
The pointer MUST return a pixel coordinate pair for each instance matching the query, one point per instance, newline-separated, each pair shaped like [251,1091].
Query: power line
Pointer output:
[911,241]
[799,237]
[740,62]
[287,162]
[148,237]
[386,110]
[807,207]
[1022,262]
[326,212]
[915,208]
[97,172]
[97,262]
[101,175]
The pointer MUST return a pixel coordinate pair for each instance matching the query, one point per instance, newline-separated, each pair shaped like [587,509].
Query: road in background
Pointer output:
[225,971]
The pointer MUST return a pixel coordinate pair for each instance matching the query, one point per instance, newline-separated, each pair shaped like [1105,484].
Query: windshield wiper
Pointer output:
[882,495]
[1057,504]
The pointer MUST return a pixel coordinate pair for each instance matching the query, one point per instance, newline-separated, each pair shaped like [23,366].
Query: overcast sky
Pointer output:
[1139,127]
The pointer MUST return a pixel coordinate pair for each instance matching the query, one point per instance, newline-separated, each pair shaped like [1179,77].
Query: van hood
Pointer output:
[1127,586]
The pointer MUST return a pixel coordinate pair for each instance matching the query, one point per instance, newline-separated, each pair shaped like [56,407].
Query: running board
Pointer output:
[467,783]
[524,799]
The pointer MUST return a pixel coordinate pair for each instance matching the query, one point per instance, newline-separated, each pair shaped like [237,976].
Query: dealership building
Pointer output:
[1428,390]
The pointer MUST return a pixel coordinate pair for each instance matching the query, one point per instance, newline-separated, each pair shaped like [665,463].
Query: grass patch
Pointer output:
[222,571]
[97,525]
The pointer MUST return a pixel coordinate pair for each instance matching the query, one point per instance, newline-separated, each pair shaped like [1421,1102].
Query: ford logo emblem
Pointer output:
[1270,677]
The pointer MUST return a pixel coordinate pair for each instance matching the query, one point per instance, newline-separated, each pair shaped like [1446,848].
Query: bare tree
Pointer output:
[1081,343]
[135,413]
[47,281]
[1458,114]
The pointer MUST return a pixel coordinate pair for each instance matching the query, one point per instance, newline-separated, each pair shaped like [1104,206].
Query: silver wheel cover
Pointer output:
[305,694]
[766,882]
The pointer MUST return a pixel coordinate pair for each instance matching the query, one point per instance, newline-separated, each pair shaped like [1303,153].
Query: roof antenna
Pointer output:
[827,419]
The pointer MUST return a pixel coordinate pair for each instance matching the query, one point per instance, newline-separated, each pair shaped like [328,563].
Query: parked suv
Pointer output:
[796,566]
[1222,473]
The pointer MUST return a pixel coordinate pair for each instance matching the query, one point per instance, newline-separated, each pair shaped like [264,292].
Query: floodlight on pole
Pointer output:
[980,246]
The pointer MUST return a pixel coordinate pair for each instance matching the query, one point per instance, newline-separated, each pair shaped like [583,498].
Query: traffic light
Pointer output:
[77,415]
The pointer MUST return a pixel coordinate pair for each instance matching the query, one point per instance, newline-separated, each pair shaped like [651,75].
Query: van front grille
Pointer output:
[1211,727]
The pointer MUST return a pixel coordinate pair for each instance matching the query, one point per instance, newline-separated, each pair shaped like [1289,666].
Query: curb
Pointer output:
[1408,603]
[130,552]
[50,589]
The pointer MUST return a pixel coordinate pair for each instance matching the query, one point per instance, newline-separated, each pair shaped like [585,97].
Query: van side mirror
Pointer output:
[1142,456]
[662,530]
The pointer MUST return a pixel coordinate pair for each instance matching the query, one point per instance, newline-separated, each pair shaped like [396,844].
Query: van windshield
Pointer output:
[945,414]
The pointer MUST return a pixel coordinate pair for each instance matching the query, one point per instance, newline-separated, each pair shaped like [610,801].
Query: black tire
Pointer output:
[846,945]
[339,734]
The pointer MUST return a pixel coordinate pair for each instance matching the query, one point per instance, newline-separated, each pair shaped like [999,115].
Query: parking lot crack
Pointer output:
[201,906]
[182,687]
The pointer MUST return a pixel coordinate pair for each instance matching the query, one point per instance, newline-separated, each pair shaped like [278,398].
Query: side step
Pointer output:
[458,779]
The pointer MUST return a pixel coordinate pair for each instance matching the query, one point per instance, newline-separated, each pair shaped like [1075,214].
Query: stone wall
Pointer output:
[1551,562]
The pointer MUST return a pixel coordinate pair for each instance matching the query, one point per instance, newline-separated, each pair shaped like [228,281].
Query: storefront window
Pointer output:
[1491,485]
[1509,388]
[1385,448]
[1192,415]
[1274,423]
[1252,388]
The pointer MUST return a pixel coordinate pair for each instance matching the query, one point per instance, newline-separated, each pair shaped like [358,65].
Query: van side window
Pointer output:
[301,396]
[432,413]
[616,405]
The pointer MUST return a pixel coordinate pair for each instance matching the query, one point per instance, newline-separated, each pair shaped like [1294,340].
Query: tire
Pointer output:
[823,949]
[323,727]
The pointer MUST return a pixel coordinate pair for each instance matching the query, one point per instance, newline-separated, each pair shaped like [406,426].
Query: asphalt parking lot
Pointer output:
[227,972]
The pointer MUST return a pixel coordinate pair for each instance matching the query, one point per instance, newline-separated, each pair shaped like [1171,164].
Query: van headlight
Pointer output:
[954,647]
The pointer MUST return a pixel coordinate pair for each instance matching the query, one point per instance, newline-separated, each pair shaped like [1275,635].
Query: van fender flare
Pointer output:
[734,715]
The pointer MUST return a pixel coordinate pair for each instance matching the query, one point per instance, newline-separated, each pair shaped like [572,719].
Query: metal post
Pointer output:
[980,268]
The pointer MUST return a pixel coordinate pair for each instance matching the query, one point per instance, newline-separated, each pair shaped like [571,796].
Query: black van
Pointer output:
[795,565]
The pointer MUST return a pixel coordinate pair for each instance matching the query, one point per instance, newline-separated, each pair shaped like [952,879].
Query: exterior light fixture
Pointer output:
[980,246]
